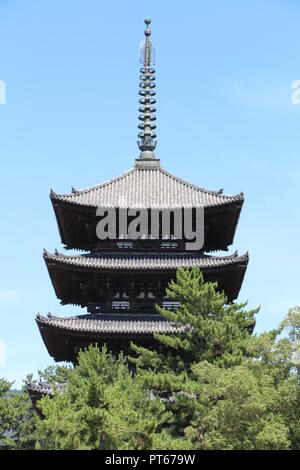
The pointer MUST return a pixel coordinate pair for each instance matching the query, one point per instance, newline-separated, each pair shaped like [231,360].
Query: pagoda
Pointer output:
[120,279]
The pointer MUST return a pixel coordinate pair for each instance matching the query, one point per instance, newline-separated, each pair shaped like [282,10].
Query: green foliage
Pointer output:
[224,388]
[209,330]
[237,408]
[212,330]
[54,374]
[212,385]
[18,418]
[103,407]
[6,414]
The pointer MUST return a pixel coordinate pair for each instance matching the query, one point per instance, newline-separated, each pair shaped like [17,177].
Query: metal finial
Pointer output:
[147,97]
[147,30]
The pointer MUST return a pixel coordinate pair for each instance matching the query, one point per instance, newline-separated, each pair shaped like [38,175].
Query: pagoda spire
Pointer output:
[147,118]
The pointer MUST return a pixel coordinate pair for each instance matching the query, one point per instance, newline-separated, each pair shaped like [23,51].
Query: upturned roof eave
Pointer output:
[143,261]
[109,324]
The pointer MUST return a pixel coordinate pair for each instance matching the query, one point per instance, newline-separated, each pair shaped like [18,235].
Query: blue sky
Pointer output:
[225,120]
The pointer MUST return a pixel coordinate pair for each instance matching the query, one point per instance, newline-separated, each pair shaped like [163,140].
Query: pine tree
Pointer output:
[209,329]
[103,407]
[6,414]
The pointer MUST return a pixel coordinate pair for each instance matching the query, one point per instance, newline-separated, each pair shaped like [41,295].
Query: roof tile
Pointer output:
[149,188]
[111,323]
[144,261]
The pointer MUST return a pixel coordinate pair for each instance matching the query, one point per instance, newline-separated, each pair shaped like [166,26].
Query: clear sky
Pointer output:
[225,120]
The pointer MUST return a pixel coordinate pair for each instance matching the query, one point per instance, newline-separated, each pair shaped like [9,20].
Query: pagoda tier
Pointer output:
[146,186]
[64,337]
[135,281]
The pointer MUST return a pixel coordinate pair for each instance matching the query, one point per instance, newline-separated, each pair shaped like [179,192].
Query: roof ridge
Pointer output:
[92,188]
[105,317]
[194,186]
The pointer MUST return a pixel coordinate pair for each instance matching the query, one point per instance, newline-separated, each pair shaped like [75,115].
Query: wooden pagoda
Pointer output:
[119,281]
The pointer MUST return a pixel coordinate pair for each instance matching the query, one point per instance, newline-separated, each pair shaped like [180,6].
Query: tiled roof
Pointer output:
[142,261]
[149,188]
[110,323]
[43,388]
